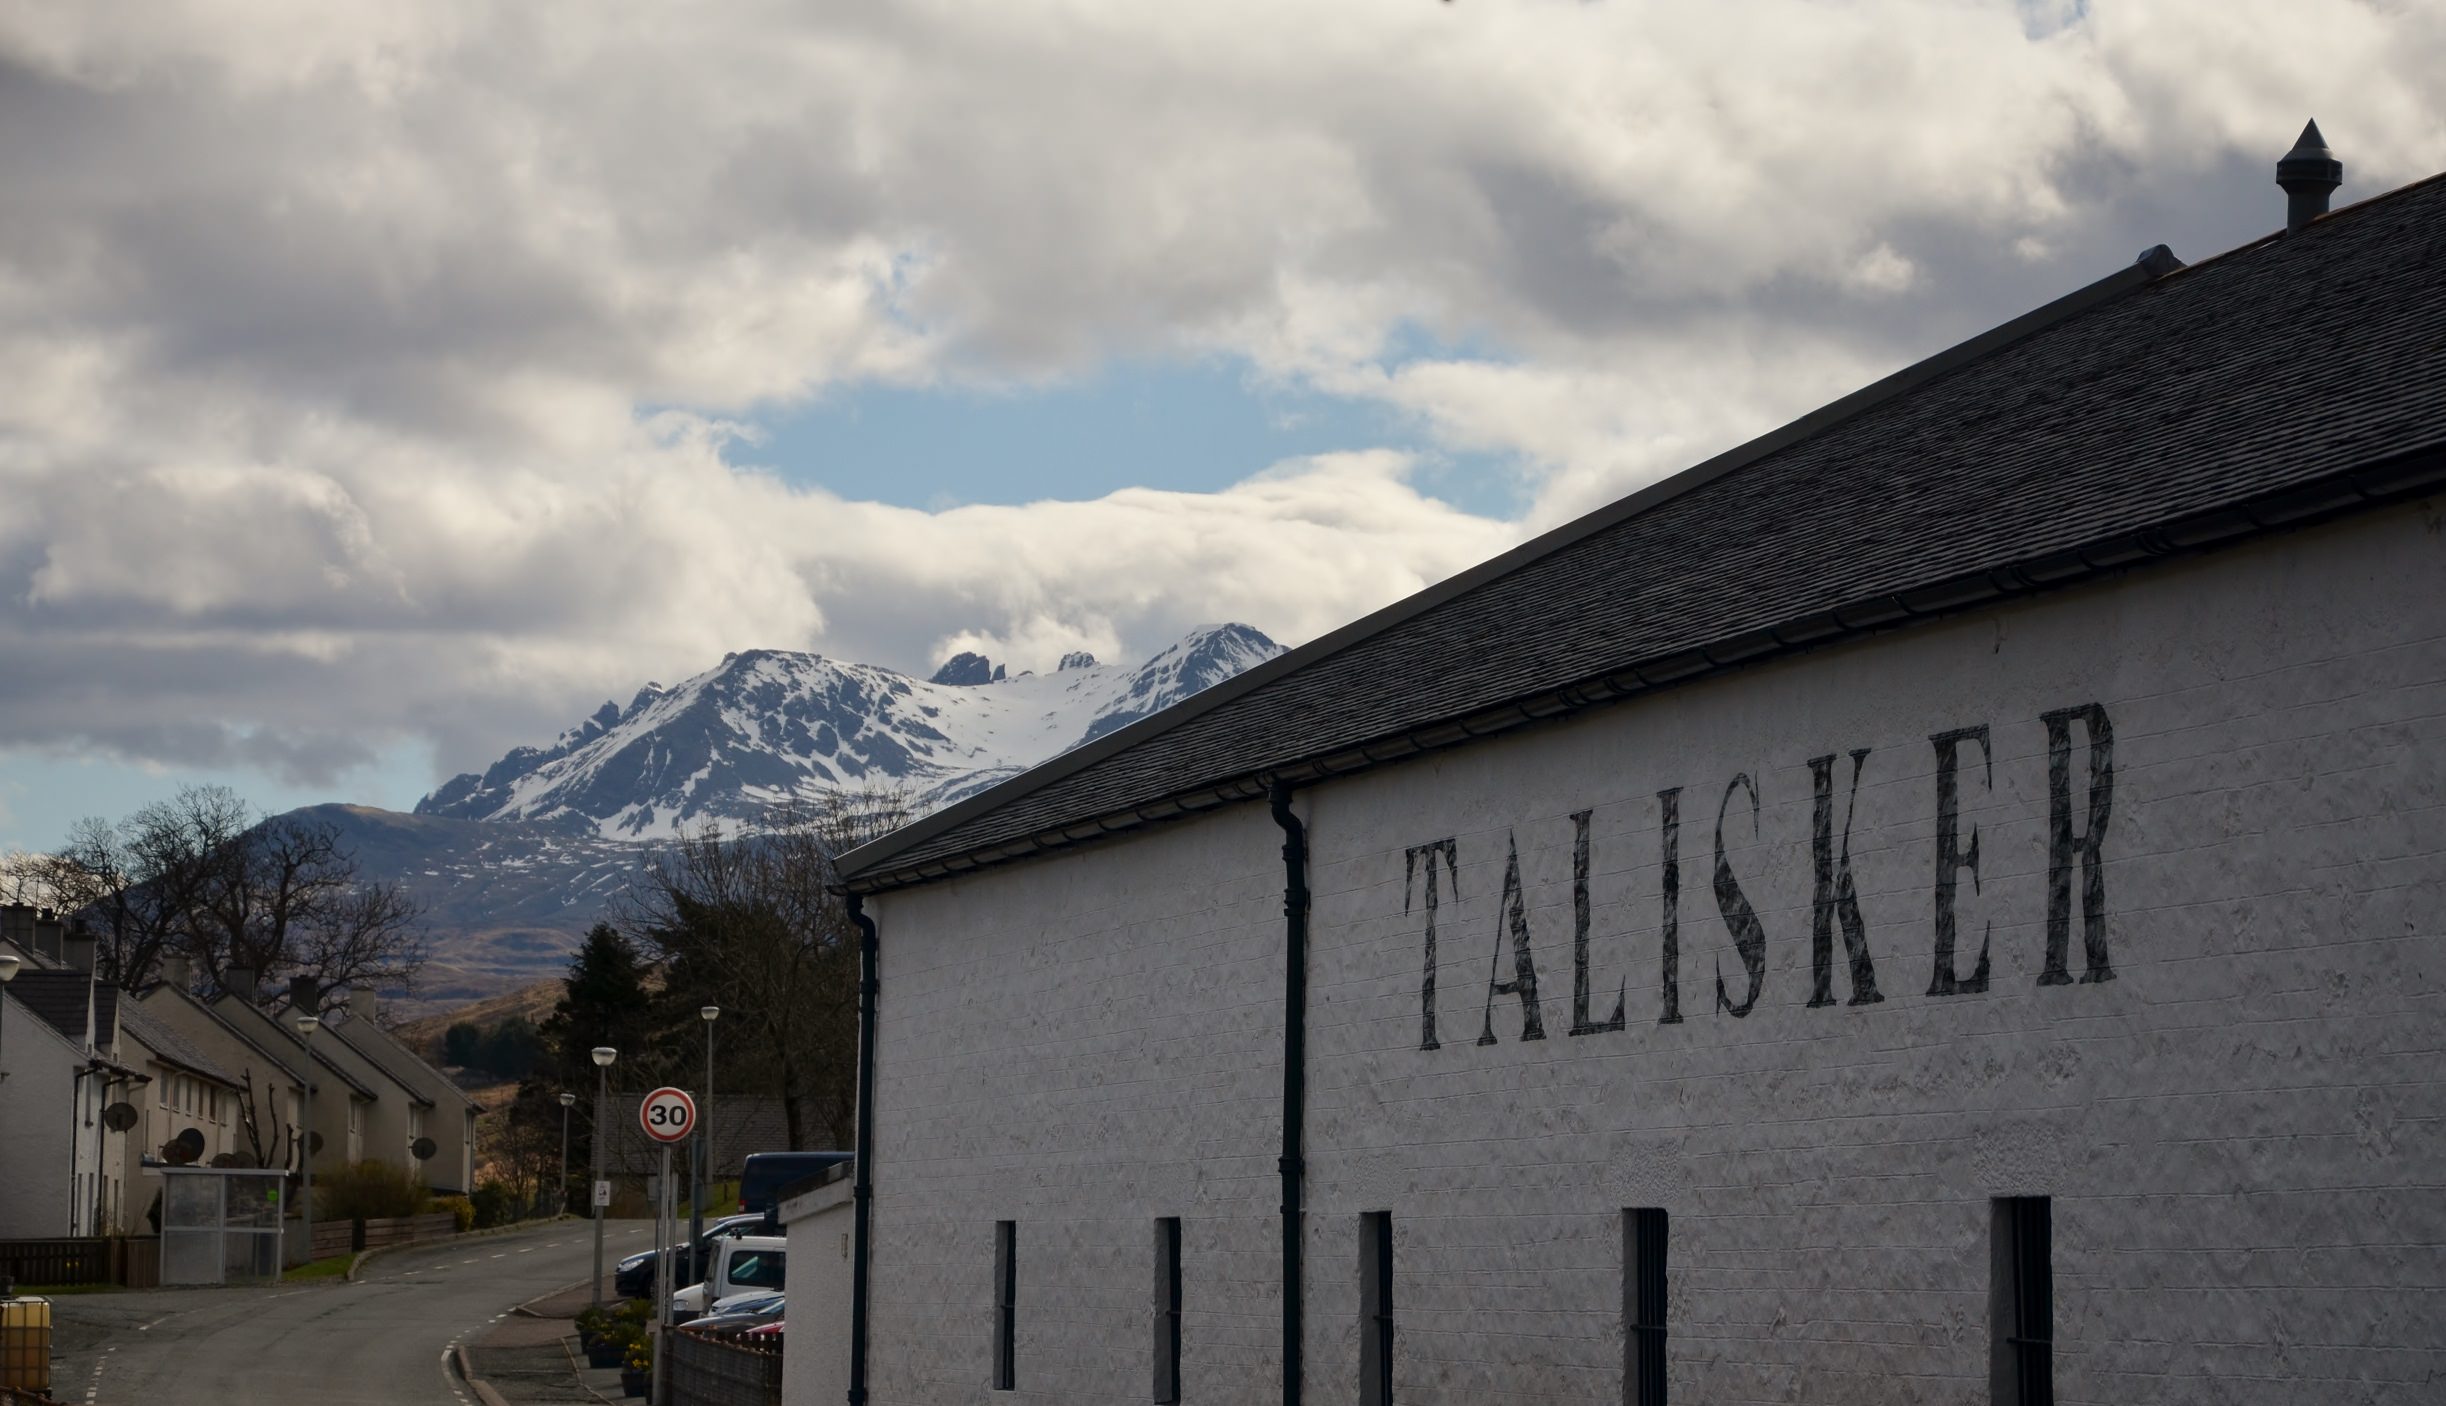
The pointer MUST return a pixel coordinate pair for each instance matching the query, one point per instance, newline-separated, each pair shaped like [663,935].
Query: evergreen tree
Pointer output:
[459,1044]
[606,1003]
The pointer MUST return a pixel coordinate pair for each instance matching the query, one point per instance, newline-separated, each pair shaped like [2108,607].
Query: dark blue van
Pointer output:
[765,1175]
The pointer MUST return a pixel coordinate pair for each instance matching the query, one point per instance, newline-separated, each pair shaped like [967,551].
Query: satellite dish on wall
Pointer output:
[181,1151]
[314,1142]
[225,1159]
[119,1117]
[424,1148]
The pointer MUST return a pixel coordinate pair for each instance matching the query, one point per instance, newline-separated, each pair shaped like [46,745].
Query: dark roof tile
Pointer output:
[2261,377]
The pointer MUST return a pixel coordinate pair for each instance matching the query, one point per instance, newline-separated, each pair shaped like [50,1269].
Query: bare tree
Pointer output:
[751,922]
[271,1141]
[145,881]
[201,875]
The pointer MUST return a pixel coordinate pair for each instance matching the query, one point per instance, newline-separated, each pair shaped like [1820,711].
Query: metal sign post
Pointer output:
[664,1288]
[668,1116]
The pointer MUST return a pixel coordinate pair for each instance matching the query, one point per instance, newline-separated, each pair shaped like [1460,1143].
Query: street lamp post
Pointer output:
[703,1149]
[306,1026]
[560,1202]
[8,973]
[603,1057]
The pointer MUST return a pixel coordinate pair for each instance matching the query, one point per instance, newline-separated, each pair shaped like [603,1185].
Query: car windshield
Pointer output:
[762,1270]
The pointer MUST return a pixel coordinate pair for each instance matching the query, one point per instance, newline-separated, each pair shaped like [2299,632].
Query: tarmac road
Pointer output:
[383,1341]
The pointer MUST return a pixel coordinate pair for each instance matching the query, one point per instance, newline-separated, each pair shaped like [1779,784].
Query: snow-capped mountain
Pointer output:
[769,725]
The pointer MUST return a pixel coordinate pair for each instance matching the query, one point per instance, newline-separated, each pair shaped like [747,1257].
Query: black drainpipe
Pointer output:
[1294,1074]
[863,1191]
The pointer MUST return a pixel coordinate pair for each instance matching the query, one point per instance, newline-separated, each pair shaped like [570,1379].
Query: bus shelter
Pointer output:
[221,1225]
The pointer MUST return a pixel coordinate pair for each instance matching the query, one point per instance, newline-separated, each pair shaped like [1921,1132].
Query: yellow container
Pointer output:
[25,1344]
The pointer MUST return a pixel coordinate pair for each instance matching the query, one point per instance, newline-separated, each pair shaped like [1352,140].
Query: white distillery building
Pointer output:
[1945,903]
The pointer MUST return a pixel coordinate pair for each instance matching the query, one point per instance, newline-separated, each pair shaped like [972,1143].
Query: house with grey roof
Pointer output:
[354,1111]
[1940,902]
[270,1084]
[189,1112]
[51,1085]
[62,1075]
[441,1127]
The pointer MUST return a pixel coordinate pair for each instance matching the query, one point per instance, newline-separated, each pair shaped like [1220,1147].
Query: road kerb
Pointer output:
[482,1388]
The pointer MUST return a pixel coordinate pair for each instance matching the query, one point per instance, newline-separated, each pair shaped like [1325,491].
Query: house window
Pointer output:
[1006,1287]
[1643,1305]
[1168,1309]
[1376,1308]
[2021,1295]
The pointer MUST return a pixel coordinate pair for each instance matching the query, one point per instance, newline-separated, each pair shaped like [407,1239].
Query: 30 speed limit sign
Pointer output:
[667,1115]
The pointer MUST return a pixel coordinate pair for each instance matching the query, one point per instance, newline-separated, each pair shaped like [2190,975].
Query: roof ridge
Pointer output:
[2346,213]
[2154,263]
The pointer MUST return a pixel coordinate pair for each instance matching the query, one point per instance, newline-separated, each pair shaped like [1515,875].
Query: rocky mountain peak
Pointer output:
[966,670]
[767,725]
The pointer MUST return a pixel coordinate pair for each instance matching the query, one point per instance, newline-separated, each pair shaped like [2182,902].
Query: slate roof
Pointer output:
[386,1056]
[380,1060]
[169,1046]
[261,1021]
[228,1027]
[59,998]
[2162,409]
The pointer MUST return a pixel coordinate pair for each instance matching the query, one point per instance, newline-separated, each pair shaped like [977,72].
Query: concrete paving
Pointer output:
[532,1356]
[386,1340]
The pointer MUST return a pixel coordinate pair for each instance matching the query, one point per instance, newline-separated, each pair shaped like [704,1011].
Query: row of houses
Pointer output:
[98,1082]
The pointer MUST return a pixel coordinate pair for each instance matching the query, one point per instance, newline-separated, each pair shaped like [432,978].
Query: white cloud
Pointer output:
[371,365]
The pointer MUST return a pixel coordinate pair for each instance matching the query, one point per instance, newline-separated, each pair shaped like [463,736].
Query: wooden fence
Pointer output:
[134,1261]
[722,1371]
[338,1237]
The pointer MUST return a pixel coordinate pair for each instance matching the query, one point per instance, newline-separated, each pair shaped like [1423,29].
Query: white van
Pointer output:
[750,1264]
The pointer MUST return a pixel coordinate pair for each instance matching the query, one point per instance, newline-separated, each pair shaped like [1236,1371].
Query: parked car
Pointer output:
[741,1313]
[633,1278]
[769,1333]
[765,1175]
[750,1264]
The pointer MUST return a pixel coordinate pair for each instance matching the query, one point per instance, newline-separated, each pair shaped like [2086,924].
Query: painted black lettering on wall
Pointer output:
[1669,956]
[1513,919]
[1416,858]
[1580,1023]
[2077,833]
[1836,897]
[1952,858]
[1740,919]
[2062,847]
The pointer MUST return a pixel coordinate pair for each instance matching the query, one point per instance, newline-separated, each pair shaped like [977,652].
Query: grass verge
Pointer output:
[328,1267]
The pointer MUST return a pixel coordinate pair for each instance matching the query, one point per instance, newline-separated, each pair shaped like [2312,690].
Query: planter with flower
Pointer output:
[638,1370]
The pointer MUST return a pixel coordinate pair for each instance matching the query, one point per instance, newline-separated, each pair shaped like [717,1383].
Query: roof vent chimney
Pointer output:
[2309,173]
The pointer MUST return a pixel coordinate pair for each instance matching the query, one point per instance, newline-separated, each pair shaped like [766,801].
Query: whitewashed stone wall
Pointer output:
[2240,1127]
[1082,1050]
[815,1369]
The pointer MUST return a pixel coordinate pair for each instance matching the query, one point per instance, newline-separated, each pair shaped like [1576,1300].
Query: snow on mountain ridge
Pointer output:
[767,725]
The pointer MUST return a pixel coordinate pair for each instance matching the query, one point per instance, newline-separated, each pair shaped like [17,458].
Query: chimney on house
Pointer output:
[305,998]
[77,947]
[2309,173]
[362,1003]
[240,982]
[50,937]
[17,927]
[177,970]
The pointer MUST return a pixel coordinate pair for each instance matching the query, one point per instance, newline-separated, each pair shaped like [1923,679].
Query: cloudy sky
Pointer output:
[385,384]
